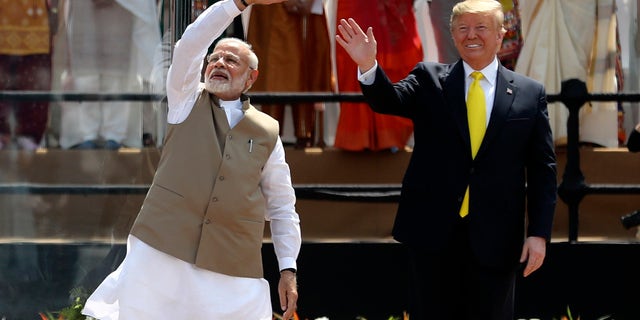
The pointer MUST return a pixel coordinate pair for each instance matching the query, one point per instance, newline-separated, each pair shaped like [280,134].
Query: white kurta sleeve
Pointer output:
[280,196]
[189,52]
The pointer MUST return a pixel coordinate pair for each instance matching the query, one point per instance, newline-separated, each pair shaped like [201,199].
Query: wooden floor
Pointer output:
[107,217]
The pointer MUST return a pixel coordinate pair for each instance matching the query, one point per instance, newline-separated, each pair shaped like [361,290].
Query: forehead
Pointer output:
[474,18]
[230,47]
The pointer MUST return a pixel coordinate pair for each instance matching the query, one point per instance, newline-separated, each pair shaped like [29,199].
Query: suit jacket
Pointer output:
[513,172]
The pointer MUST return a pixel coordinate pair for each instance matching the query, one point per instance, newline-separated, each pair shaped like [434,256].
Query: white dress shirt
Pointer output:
[488,83]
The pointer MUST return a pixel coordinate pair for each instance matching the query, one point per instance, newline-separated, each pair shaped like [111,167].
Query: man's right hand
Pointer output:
[361,47]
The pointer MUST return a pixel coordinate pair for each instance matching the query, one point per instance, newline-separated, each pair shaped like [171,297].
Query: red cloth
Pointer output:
[399,50]
[28,72]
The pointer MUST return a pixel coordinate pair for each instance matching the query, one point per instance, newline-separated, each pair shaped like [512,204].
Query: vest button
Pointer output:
[228,156]
[221,178]
[207,221]
[214,199]
[230,137]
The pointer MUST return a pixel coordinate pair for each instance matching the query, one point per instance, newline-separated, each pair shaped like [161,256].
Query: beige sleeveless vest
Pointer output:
[205,205]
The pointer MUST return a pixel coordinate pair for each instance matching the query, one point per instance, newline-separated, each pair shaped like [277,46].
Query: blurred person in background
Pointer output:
[26,31]
[399,50]
[292,41]
[110,47]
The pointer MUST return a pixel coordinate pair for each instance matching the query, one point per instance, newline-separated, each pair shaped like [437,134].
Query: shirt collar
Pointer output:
[490,72]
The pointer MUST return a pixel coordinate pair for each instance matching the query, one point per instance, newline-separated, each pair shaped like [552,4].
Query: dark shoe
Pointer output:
[303,143]
[89,144]
[147,140]
[112,145]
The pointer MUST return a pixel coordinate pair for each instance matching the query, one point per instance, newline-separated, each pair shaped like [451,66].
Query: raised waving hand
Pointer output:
[361,47]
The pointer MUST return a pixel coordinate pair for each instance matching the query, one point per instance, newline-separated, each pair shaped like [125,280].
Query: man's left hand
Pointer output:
[533,252]
[288,292]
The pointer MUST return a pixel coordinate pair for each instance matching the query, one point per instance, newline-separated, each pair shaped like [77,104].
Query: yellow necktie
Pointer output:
[476,114]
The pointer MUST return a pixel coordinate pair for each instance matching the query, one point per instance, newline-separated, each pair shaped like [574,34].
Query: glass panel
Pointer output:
[79,140]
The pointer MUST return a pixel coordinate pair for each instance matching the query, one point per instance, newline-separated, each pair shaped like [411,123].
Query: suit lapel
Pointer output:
[504,94]
[453,87]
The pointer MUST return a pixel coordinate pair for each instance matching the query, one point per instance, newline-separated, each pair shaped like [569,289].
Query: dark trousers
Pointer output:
[28,72]
[452,285]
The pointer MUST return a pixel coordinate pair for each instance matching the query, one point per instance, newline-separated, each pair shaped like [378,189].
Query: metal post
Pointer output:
[572,189]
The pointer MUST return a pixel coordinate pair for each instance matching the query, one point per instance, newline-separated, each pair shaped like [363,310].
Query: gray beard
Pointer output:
[217,88]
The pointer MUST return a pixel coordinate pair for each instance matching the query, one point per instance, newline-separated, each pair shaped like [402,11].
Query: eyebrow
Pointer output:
[223,54]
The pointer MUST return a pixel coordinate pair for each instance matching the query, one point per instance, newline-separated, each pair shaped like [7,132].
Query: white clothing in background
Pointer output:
[564,39]
[112,42]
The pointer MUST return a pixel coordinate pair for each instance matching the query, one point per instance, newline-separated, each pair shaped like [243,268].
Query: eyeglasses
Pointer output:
[227,58]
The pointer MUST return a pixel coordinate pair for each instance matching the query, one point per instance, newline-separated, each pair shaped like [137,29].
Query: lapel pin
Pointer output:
[509,91]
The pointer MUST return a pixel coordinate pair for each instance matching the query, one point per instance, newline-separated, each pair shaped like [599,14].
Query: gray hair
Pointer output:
[253,58]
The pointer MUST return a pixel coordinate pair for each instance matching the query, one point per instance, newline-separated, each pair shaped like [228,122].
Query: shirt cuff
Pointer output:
[285,263]
[231,8]
[368,77]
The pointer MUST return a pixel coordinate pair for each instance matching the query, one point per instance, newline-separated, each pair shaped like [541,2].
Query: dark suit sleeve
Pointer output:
[633,144]
[541,173]
[385,97]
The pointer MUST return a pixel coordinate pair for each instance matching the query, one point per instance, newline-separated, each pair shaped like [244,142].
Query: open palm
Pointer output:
[361,47]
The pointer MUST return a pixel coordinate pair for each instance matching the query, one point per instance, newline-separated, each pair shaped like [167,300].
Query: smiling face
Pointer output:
[477,37]
[228,73]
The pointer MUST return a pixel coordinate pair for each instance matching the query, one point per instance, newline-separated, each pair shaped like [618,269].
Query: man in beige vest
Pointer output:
[194,252]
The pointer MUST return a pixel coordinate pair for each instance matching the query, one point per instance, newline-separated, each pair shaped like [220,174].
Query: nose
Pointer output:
[471,34]
[219,62]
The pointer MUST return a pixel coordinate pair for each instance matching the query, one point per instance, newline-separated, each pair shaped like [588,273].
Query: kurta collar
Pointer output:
[242,103]
[231,104]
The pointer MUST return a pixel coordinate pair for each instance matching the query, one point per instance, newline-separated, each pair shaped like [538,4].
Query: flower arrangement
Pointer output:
[73,312]
[405,316]
[568,316]
[79,297]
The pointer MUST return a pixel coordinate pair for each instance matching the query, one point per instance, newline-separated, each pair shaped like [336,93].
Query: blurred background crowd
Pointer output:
[119,46]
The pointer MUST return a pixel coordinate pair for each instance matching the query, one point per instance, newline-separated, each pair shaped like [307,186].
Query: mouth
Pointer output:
[473,46]
[219,75]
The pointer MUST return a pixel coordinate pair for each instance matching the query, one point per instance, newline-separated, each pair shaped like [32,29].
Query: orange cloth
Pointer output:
[24,27]
[295,56]
[399,50]
[289,60]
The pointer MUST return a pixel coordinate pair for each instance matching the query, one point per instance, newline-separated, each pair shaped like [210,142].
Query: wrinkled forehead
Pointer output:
[230,47]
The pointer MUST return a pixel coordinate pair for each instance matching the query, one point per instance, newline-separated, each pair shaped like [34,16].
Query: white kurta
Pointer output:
[150,284]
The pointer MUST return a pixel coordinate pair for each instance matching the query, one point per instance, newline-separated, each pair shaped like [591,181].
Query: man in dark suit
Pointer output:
[462,211]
